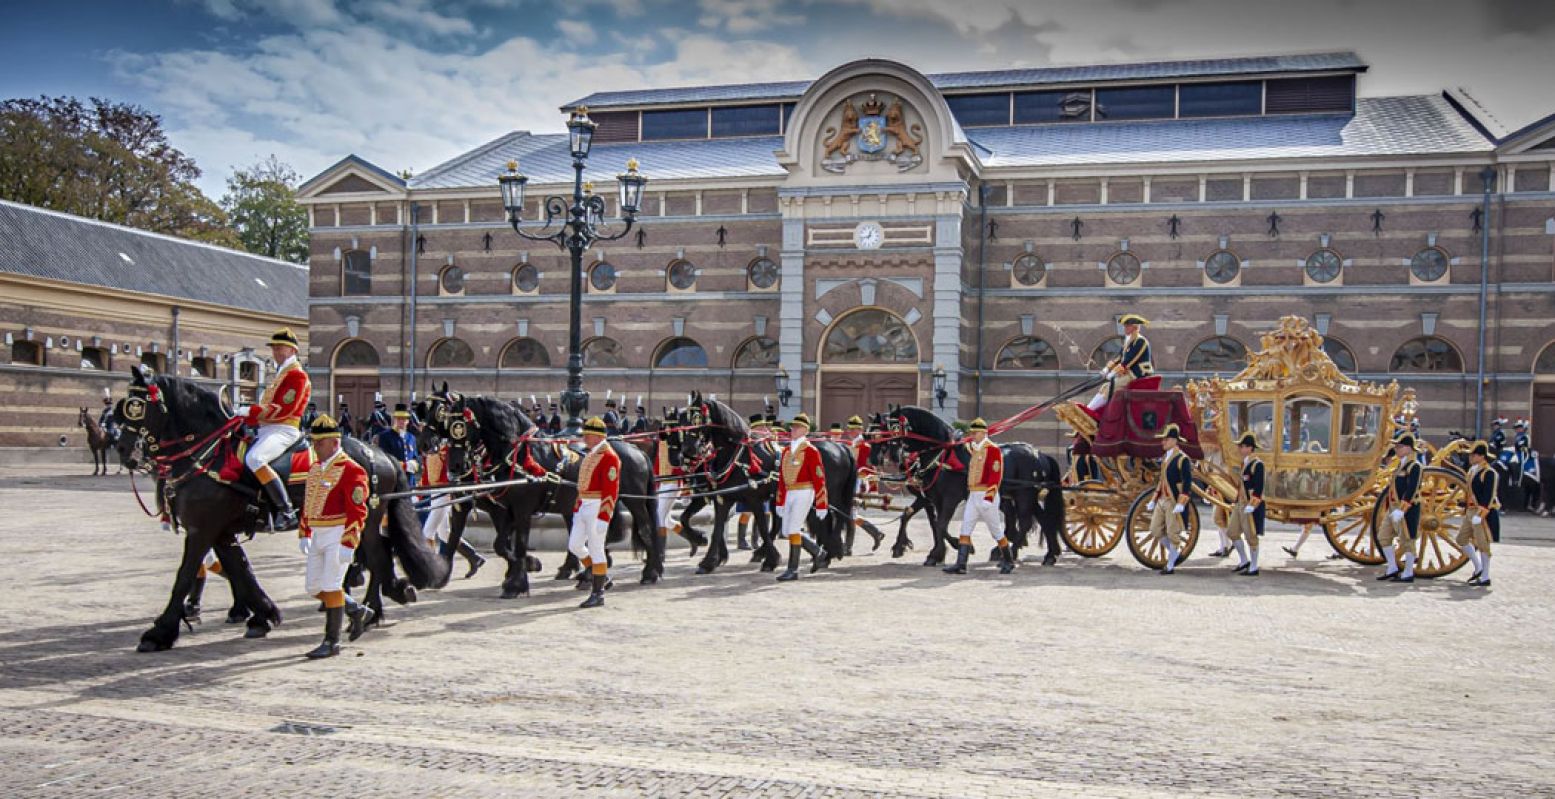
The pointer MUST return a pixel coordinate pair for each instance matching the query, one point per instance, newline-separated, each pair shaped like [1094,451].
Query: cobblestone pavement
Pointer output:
[877,678]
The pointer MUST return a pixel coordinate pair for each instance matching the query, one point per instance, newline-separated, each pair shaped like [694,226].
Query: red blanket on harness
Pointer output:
[1132,420]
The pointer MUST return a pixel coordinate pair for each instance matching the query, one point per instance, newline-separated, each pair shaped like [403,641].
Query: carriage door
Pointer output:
[869,358]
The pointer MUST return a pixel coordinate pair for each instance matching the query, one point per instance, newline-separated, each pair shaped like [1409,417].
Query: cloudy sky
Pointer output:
[410,83]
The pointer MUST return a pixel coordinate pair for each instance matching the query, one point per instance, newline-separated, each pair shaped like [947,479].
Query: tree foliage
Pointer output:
[261,201]
[104,160]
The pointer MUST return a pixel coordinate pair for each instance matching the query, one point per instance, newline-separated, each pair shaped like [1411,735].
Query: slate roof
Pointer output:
[1413,125]
[955,81]
[545,159]
[49,244]
[1381,126]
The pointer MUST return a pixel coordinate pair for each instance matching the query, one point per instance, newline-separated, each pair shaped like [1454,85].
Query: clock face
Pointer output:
[868,236]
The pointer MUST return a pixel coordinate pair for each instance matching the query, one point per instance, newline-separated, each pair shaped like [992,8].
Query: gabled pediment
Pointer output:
[352,176]
[1535,137]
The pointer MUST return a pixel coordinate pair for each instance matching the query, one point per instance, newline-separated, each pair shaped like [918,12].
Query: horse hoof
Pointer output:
[510,593]
[933,561]
[255,633]
[151,646]
[703,568]
[562,575]
[649,579]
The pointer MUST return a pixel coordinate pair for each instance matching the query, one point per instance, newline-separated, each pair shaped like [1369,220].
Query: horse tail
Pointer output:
[1053,504]
[422,566]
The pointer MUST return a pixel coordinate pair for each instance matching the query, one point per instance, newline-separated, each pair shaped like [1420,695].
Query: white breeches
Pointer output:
[795,510]
[437,525]
[587,537]
[327,561]
[985,511]
[273,439]
[665,506]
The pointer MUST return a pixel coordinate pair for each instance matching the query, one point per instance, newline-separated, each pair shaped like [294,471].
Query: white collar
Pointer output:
[338,452]
[291,360]
[796,442]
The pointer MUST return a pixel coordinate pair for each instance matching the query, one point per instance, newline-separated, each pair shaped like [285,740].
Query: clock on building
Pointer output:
[868,236]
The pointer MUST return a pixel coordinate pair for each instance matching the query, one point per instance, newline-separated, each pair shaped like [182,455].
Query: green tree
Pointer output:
[261,201]
[104,160]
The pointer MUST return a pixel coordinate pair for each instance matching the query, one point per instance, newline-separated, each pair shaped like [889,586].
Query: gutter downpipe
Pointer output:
[1488,178]
[982,264]
[174,354]
[415,235]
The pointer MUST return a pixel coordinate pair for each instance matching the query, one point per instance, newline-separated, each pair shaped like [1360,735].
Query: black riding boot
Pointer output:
[1006,559]
[962,553]
[793,564]
[330,646]
[285,516]
[192,604]
[743,528]
[819,557]
[472,556]
[597,596]
[361,616]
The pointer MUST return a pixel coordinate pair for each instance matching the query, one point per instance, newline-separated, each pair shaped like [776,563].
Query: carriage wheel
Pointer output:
[1151,554]
[1093,519]
[1349,530]
[1443,504]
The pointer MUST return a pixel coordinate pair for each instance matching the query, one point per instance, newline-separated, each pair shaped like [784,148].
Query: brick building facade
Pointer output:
[83,301]
[863,229]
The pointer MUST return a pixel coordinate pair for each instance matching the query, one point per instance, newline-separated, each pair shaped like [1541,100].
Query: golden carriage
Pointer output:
[1325,440]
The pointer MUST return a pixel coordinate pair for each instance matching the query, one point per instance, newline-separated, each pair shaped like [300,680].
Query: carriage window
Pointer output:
[1358,428]
[1308,422]
[1257,416]
[94,358]
[757,353]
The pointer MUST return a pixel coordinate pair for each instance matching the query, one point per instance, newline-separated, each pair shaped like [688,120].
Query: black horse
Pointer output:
[192,434]
[491,440]
[1030,491]
[719,438]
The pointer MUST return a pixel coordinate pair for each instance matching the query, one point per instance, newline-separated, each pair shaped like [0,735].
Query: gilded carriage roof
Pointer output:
[1291,356]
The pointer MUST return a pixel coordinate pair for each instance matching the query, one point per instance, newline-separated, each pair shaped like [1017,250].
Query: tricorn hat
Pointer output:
[1404,440]
[1133,319]
[1248,440]
[1481,449]
[1171,431]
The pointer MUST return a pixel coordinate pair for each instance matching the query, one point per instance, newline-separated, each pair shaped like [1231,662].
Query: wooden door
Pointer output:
[1544,418]
[862,394]
[357,392]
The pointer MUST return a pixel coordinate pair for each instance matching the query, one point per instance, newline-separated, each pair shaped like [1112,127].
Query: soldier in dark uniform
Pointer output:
[1083,464]
[611,418]
[1482,522]
[1246,517]
[399,443]
[1400,525]
[640,424]
[553,425]
[106,421]
[1497,437]
[1521,443]
[1130,365]
[309,415]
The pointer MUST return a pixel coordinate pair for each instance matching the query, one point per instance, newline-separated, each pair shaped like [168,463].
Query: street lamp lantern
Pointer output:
[632,183]
[939,386]
[574,223]
[580,133]
[512,183]
[784,393]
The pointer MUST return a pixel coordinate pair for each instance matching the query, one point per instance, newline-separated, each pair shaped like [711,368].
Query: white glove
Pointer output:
[1479,520]
[305,545]
[1249,510]
[1150,505]
[414,467]
[1397,515]
[820,513]
[1177,508]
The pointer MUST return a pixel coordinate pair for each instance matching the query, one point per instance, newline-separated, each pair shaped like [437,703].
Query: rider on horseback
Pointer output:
[278,414]
[1130,365]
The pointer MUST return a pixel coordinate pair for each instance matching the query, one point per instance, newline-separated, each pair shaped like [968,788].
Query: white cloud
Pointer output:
[302,13]
[746,16]
[416,15]
[576,31]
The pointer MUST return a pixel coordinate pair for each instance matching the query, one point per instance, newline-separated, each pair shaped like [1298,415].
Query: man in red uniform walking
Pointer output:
[599,483]
[802,487]
[333,514]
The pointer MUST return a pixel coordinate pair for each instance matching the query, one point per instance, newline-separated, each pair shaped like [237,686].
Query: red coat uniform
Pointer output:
[437,466]
[337,495]
[866,472]
[284,399]
[986,469]
[600,478]
[802,468]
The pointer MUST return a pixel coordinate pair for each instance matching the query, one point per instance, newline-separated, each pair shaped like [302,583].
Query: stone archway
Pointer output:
[868,360]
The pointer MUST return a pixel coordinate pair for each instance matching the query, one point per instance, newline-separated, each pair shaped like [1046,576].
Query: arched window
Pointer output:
[1339,354]
[27,353]
[1426,354]
[450,281]
[356,272]
[1026,352]
[356,353]
[95,358]
[680,353]
[1106,351]
[1218,354]
[756,353]
[870,335]
[603,353]
[1545,363]
[450,353]
[524,353]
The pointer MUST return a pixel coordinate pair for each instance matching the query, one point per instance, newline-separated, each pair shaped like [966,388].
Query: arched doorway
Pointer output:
[1542,406]
[868,360]
[354,370]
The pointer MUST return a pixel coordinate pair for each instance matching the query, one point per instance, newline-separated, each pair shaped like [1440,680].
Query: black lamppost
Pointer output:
[582,224]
